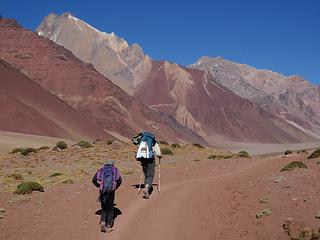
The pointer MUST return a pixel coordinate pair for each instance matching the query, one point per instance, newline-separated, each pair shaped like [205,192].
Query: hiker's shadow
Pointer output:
[116,212]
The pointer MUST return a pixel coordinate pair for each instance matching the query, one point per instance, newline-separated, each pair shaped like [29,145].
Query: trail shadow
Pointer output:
[116,210]
[142,186]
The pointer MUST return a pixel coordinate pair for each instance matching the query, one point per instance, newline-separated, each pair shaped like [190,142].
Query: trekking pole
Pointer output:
[159,175]
[140,182]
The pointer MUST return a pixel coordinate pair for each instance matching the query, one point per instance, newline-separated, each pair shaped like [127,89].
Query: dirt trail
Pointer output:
[202,207]
[199,200]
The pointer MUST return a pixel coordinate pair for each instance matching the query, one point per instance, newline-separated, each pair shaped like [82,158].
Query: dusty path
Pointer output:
[199,200]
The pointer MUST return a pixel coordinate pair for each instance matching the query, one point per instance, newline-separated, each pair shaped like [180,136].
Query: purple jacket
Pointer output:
[97,179]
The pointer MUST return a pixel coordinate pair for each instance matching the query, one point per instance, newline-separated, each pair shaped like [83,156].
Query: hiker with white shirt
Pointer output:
[147,152]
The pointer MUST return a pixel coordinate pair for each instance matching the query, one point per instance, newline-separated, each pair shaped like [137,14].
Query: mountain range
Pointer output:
[213,97]
[71,80]
[78,85]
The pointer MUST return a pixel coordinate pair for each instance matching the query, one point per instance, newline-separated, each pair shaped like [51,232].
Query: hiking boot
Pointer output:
[109,228]
[146,191]
[103,227]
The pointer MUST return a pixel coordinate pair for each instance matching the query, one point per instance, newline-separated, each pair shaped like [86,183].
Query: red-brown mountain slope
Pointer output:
[27,108]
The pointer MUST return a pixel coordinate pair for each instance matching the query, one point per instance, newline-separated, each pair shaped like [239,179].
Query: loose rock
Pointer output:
[263,213]
[279,179]
[264,200]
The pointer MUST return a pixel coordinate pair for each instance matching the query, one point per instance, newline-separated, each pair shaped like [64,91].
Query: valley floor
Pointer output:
[260,148]
[199,199]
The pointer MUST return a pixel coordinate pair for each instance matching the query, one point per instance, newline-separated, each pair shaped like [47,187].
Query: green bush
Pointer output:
[243,154]
[198,145]
[288,152]
[212,157]
[28,187]
[163,143]
[293,165]
[55,174]
[175,145]
[315,154]
[166,151]
[61,145]
[27,151]
[17,150]
[84,144]
[43,148]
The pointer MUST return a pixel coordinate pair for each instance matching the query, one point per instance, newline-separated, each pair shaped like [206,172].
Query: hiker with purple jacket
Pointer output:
[108,180]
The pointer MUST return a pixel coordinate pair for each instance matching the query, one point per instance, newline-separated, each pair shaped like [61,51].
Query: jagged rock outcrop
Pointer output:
[112,56]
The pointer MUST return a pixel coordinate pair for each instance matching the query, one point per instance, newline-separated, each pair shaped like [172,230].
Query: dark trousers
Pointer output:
[148,166]
[107,206]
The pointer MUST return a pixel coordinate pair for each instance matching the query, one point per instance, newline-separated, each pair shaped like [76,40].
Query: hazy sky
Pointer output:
[282,35]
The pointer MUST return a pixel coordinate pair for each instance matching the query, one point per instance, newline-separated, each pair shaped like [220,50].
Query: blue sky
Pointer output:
[282,35]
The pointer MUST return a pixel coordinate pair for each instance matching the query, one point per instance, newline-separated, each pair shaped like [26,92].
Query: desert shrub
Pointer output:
[109,142]
[212,157]
[55,174]
[27,151]
[163,143]
[43,148]
[197,160]
[175,145]
[315,154]
[16,176]
[243,154]
[287,152]
[16,150]
[304,151]
[198,145]
[67,181]
[166,151]
[293,165]
[28,187]
[84,144]
[61,145]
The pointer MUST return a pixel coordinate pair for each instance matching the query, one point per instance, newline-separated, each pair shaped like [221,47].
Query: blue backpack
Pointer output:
[147,139]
